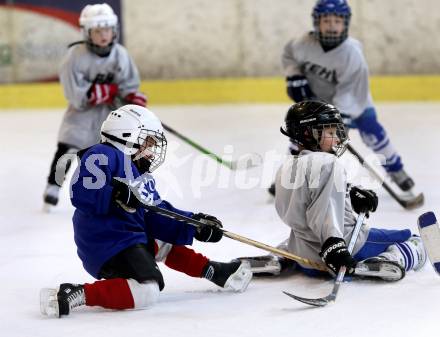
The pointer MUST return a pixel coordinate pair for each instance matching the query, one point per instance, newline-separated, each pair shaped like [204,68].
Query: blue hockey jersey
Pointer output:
[101,228]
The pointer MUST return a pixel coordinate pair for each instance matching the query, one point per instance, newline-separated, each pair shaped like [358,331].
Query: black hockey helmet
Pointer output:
[306,120]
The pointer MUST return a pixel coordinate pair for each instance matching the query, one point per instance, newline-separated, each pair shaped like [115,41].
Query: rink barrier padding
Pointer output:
[220,90]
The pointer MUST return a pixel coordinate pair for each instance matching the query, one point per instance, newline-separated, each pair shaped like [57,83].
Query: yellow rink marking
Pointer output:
[224,90]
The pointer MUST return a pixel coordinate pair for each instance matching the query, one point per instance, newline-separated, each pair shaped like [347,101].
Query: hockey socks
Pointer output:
[410,254]
[186,260]
[233,275]
[110,294]
[120,293]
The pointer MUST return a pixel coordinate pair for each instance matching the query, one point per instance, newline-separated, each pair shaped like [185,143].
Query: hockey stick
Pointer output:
[407,203]
[244,163]
[323,301]
[176,216]
[430,234]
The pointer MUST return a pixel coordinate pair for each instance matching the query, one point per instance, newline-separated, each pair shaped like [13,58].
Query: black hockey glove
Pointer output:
[298,88]
[334,253]
[211,231]
[123,196]
[363,200]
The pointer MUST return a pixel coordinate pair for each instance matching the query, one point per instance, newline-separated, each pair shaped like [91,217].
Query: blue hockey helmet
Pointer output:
[327,7]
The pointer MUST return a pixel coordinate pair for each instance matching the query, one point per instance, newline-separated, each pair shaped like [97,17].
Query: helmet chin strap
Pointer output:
[100,51]
[120,141]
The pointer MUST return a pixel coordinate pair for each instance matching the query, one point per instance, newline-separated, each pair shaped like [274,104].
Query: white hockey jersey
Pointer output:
[338,76]
[80,68]
[312,199]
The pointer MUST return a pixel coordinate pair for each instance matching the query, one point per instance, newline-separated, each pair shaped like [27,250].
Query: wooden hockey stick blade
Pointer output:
[411,202]
[430,234]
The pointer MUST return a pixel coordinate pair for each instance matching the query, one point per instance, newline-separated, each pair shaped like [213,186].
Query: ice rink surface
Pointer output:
[37,249]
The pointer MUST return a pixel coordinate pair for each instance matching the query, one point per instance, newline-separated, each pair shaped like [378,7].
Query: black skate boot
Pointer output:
[234,275]
[402,179]
[50,196]
[59,302]
[271,189]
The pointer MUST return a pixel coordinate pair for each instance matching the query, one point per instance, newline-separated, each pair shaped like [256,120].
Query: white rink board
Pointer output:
[37,249]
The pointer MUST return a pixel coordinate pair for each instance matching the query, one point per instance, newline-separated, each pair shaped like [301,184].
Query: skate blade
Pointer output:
[49,302]
[239,281]
[386,271]
[262,265]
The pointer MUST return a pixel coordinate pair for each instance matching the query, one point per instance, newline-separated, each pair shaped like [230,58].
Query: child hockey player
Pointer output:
[93,73]
[329,65]
[313,199]
[118,240]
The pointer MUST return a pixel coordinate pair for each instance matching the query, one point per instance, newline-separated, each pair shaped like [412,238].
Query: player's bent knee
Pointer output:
[144,294]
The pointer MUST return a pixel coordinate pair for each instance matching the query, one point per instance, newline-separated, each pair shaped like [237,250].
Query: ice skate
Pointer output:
[410,255]
[417,245]
[50,196]
[268,265]
[58,302]
[271,189]
[265,265]
[401,179]
[234,275]
[381,268]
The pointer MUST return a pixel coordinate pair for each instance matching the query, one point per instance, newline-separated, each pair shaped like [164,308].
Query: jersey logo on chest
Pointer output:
[104,78]
[328,75]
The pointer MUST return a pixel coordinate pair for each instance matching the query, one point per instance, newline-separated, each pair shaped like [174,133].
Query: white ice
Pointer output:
[37,249]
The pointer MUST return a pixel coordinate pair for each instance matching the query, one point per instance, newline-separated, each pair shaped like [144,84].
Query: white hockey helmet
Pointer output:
[98,16]
[135,130]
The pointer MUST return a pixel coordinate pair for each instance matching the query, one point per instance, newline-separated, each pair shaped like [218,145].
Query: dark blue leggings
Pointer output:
[374,136]
[377,242]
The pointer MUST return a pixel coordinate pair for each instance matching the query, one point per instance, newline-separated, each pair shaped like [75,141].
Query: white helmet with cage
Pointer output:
[98,16]
[137,132]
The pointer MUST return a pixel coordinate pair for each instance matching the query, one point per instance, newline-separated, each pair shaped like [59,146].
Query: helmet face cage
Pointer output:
[98,16]
[98,50]
[331,7]
[152,150]
[340,133]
